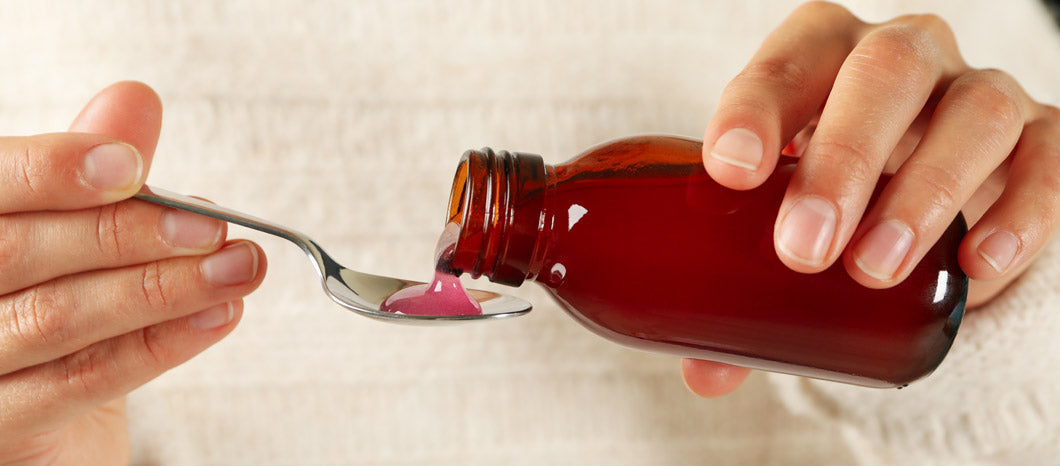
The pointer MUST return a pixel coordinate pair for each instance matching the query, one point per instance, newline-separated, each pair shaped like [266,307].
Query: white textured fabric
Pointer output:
[344,119]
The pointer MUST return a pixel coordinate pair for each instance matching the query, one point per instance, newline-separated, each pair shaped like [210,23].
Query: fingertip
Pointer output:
[998,250]
[238,265]
[139,90]
[129,111]
[220,318]
[261,263]
[709,379]
[115,170]
[738,147]
[804,233]
[855,270]
[880,257]
[991,254]
[237,316]
[737,158]
[129,92]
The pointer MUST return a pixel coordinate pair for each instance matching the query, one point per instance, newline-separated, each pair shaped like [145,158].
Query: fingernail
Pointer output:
[213,317]
[739,147]
[182,229]
[999,249]
[232,265]
[807,230]
[113,167]
[883,248]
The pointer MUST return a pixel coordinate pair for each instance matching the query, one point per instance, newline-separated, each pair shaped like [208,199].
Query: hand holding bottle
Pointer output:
[99,293]
[856,100]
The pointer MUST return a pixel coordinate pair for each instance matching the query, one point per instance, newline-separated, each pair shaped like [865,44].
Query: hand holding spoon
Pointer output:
[357,291]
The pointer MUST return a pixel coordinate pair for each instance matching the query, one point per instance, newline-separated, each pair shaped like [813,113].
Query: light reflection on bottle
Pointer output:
[941,287]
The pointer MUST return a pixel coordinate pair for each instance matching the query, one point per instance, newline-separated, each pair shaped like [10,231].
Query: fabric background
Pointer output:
[345,119]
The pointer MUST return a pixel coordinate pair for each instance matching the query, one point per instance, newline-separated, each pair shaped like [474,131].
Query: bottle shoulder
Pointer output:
[637,156]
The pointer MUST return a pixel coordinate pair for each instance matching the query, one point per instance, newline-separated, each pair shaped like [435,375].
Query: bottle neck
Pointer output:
[498,199]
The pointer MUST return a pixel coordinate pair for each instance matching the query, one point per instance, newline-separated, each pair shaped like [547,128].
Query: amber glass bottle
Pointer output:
[641,246]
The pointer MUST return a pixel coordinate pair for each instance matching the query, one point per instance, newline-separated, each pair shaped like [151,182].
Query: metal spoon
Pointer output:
[357,291]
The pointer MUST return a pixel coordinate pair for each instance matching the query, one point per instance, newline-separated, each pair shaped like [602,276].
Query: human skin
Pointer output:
[893,97]
[100,293]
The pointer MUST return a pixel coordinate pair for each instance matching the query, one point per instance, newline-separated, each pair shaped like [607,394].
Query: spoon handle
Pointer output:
[199,206]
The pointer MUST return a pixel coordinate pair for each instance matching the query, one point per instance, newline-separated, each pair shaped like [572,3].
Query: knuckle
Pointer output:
[823,11]
[85,371]
[1048,201]
[900,54]
[111,222]
[779,73]
[32,167]
[1050,113]
[991,94]
[152,286]
[153,353]
[1048,178]
[933,25]
[841,166]
[37,317]
[10,241]
[752,104]
[854,157]
[940,185]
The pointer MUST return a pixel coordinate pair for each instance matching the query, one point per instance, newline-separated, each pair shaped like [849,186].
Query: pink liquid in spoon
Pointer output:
[445,295]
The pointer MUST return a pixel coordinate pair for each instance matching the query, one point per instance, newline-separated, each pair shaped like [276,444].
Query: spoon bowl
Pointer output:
[359,292]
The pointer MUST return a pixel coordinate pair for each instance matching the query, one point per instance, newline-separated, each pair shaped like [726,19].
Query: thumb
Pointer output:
[128,111]
[710,379]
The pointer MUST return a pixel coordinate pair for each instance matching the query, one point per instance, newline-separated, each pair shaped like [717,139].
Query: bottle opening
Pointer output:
[458,194]
[497,199]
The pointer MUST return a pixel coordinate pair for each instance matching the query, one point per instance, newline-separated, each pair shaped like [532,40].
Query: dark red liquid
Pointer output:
[444,295]
[641,246]
[685,266]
